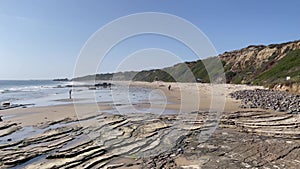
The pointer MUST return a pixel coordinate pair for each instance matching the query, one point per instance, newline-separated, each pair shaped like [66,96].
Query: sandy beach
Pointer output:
[182,96]
[204,128]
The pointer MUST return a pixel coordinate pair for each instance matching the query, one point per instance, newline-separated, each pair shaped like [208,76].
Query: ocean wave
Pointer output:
[21,89]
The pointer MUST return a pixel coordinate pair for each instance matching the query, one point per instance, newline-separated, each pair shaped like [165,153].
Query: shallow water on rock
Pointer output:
[31,131]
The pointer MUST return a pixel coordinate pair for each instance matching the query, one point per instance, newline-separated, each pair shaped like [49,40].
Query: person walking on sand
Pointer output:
[70,93]
[169,87]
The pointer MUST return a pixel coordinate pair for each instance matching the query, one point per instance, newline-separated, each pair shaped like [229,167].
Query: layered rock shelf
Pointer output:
[242,139]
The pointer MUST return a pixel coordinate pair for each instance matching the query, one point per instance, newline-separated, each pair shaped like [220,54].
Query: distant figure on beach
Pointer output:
[70,93]
[169,87]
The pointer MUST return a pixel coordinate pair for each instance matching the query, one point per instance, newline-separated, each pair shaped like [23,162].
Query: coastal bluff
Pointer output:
[265,65]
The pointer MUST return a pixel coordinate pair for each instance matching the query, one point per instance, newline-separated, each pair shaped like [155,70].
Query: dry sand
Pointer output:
[186,97]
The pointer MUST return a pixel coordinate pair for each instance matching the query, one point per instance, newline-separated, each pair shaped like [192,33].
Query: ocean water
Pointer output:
[22,90]
[48,92]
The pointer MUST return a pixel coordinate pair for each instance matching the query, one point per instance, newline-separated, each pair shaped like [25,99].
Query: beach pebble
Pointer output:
[268,99]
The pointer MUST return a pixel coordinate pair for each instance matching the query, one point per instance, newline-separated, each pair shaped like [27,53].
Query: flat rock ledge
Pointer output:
[244,139]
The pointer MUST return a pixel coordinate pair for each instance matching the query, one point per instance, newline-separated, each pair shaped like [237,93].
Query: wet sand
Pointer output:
[181,97]
[209,130]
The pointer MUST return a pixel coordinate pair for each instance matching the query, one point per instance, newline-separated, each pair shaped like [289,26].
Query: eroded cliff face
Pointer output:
[251,65]
[291,88]
[255,56]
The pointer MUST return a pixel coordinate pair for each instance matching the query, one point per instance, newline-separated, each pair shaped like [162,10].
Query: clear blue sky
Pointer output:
[42,39]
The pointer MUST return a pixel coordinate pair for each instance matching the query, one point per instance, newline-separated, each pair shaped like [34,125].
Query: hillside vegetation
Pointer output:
[287,66]
[257,65]
[182,72]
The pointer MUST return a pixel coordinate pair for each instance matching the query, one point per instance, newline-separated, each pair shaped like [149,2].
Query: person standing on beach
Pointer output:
[169,87]
[70,93]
